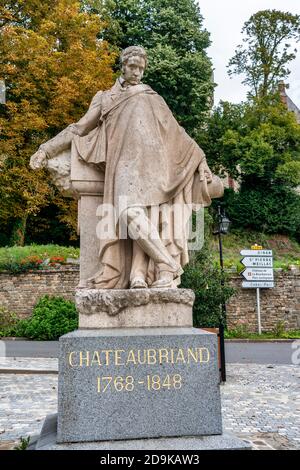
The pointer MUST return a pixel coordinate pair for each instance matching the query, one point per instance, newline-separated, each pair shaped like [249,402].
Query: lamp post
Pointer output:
[223,228]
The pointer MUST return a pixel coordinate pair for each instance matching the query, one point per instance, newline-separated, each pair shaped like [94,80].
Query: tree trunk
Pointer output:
[18,231]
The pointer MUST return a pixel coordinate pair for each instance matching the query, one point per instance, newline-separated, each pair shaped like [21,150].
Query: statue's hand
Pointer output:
[204,172]
[38,160]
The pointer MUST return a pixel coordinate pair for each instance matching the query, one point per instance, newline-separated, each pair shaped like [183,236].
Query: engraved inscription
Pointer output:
[111,382]
[129,383]
[137,357]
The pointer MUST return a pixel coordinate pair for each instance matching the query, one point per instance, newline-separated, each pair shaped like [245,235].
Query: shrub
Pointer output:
[272,209]
[204,277]
[26,264]
[52,317]
[8,322]
[205,281]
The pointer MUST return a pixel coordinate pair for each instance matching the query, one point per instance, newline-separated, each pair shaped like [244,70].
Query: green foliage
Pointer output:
[220,137]
[274,209]
[49,226]
[242,332]
[24,443]
[19,259]
[52,317]
[267,50]
[258,143]
[204,277]
[289,172]
[279,329]
[8,322]
[205,280]
[172,33]
[286,251]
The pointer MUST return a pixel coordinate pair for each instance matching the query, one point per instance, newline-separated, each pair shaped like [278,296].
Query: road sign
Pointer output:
[258,284]
[256,252]
[258,274]
[257,261]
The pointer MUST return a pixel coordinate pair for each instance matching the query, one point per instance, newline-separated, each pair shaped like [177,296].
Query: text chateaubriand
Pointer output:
[121,357]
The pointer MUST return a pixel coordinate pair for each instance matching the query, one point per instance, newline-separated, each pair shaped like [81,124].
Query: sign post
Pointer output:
[258,310]
[258,273]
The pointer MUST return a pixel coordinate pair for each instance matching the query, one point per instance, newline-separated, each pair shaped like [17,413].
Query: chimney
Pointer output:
[282,92]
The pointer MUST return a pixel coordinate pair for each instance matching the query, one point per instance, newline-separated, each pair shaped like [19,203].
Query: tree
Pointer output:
[52,63]
[267,50]
[173,35]
[259,144]
[226,119]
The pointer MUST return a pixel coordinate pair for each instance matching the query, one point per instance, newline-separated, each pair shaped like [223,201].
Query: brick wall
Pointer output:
[19,293]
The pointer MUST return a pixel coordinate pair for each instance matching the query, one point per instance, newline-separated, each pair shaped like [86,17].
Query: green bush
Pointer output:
[8,322]
[205,281]
[272,209]
[52,317]
[19,259]
[204,277]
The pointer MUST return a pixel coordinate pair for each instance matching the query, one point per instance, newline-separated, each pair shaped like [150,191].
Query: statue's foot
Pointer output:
[165,280]
[138,283]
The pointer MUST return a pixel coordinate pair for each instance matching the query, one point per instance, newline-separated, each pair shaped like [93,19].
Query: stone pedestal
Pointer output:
[134,308]
[138,383]
[48,441]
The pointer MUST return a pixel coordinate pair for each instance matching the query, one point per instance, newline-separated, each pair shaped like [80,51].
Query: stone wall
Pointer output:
[19,293]
[280,304]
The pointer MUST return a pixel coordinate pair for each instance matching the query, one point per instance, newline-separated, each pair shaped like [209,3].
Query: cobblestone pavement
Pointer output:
[260,403]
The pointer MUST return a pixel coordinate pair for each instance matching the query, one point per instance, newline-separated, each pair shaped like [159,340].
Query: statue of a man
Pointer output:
[151,164]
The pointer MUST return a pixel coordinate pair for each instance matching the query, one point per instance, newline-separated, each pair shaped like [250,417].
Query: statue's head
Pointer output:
[133,63]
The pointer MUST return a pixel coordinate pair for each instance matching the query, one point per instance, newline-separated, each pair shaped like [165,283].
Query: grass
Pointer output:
[238,334]
[17,253]
[286,252]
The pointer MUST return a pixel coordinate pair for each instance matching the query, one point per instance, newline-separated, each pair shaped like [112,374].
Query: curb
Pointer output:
[28,371]
[240,340]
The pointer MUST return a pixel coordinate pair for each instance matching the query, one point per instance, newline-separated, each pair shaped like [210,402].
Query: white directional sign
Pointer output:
[258,274]
[258,261]
[256,253]
[258,284]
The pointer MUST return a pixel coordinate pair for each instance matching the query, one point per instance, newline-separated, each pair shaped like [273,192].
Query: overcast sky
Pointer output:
[224,20]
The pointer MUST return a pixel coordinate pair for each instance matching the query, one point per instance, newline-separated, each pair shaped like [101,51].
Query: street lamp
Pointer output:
[224,224]
[223,228]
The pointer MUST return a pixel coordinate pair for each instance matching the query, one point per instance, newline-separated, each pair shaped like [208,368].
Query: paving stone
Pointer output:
[272,415]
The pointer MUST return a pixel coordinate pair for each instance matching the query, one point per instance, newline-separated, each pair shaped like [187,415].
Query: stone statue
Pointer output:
[149,165]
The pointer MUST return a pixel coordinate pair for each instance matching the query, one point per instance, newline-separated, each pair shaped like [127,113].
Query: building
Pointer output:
[287,101]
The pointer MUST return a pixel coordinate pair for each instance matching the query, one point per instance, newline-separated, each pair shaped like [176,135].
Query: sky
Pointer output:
[224,20]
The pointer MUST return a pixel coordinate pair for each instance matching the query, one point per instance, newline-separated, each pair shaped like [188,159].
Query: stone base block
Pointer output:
[134,308]
[138,383]
[48,437]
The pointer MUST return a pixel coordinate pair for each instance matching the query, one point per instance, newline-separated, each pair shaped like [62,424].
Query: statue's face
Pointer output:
[133,70]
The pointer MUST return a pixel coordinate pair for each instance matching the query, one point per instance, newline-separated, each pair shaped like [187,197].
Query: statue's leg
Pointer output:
[147,237]
[139,267]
